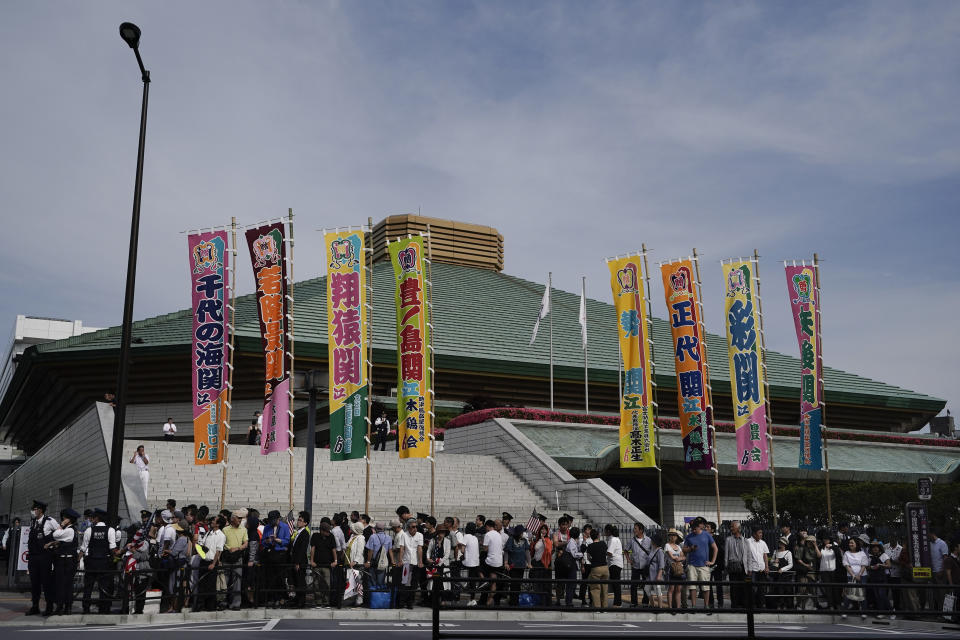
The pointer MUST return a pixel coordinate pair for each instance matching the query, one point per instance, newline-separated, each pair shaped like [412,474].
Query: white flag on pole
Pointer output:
[583,314]
[544,310]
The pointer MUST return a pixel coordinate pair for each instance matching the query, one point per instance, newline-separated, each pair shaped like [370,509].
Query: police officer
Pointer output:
[66,542]
[97,547]
[40,558]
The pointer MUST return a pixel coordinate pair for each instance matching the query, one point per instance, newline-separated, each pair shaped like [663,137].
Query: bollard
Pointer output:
[435,602]
[751,634]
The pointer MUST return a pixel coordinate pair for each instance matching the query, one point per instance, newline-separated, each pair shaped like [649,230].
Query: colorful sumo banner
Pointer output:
[268,255]
[347,343]
[208,275]
[693,399]
[414,406]
[746,365]
[636,407]
[805,308]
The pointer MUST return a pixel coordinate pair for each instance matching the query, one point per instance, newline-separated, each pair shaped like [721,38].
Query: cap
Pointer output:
[378,526]
[810,539]
[674,532]
[395,523]
[100,513]
[70,513]
[422,516]
[87,512]
[144,513]
[177,528]
[784,540]
[864,538]
[356,528]
[506,516]
[39,504]
[178,515]
[519,529]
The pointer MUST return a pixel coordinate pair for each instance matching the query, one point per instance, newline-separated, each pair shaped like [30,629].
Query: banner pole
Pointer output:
[653,382]
[619,375]
[550,313]
[766,392]
[712,433]
[291,375]
[433,372]
[586,365]
[233,338]
[823,404]
[368,260]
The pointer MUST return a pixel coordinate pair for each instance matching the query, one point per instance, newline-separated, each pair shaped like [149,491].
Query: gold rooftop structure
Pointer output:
[460,243]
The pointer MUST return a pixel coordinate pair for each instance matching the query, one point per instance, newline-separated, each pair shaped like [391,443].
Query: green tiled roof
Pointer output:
[581,448]
[483,322]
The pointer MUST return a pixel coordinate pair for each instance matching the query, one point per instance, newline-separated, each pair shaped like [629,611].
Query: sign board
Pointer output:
[917,543]
[22,550]
[924,488]
[922,573]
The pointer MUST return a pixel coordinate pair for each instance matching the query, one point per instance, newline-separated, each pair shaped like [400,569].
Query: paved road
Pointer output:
[419,629]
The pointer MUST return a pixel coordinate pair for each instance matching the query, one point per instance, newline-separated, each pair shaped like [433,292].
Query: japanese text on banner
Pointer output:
[208,275]
[347,343]
[742,319]
[805,308]
[636,407]
[268,255]
[414,406]
[693,400]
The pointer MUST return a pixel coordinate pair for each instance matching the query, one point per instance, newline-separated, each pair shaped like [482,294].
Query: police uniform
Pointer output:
[65,562]
[40,560]
[98,543]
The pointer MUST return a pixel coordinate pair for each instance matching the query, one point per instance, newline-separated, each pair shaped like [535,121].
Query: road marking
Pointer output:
[862,628]
[395,624]
[270,624]
[579,626]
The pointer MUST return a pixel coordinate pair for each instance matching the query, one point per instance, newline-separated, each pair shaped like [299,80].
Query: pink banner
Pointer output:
[276,420]
[750,441]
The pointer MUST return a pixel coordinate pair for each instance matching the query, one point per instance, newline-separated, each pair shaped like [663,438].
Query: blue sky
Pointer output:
[579,130]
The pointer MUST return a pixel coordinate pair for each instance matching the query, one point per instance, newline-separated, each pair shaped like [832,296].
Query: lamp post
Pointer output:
[131,35]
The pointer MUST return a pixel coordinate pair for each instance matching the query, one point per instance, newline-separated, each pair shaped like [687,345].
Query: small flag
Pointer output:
[544,310]
[583,313]
[535,522]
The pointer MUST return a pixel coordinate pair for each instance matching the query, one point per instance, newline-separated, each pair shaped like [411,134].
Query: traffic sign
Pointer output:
[925,488]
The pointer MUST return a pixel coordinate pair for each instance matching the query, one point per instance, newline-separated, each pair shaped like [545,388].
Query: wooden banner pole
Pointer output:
[433,373]
[712,430]
[653,383]
[766,392]
[368,265]
[233,336]
[823,404]
[291,375]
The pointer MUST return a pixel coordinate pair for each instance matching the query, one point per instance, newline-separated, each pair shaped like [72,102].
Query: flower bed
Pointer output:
[541,415]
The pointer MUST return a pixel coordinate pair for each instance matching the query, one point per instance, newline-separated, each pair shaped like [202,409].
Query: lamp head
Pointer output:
[130,34]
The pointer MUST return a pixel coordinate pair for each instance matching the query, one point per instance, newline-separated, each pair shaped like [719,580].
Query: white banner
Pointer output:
[22,551]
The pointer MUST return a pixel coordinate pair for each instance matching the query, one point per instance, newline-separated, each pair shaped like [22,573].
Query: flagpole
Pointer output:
[550,295]
[711,429]
[233,335]
[653,381]
[619,374]
[368,260]
[766,392]
[432,369]
[586,366]
[291,374]
[823,404]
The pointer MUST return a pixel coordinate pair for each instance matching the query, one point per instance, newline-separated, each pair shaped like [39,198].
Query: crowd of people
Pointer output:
[233,559]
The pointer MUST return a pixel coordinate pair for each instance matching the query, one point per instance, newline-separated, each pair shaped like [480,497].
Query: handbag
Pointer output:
[231,557]
[676,568]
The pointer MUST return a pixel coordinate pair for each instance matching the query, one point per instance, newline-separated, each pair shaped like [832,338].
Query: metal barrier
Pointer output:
[755,601]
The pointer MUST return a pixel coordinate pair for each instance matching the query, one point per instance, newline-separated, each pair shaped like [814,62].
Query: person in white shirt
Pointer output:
[855,563]
[614,561]
[169,429]
[471,560]
[410,544]
[493,564]
[214,541]
[141,460]
[757,563]
[893,550]
[98,546]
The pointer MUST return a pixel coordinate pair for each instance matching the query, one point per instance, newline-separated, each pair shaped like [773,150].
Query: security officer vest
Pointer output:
[36,540]
[99,546]
[69,549]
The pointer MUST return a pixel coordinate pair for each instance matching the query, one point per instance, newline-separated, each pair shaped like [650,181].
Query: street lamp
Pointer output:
[131,35]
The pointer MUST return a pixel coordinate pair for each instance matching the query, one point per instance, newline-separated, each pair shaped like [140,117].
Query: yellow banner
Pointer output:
[636,406]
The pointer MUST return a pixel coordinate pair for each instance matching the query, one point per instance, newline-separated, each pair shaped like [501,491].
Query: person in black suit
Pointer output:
[300,557]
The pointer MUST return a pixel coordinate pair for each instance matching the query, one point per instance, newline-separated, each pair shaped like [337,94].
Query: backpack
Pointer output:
[382,560]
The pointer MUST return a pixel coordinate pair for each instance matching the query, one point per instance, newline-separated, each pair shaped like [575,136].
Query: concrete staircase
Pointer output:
[465,484]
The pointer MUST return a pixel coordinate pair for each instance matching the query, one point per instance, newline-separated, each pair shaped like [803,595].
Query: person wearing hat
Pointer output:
[378,556]
[354,554]
[173,559]
[506,519]
[673,551]
[274,545]
[99,542]
[781,570]
[65,544]
[517,559]
[439,553]
[40,558]
[806,560]
[877,568]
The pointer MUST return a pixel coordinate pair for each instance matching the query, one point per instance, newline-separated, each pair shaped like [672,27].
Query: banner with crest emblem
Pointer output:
[746,365]
[414,402]
[347,343]
[268,255]
[693,399]
[636,408]
[805,308]
[208,275]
